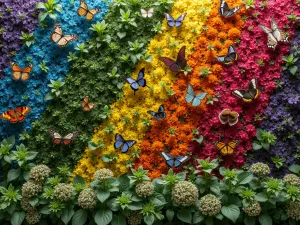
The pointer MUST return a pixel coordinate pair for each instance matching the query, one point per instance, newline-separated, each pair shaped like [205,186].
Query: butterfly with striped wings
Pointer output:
[16,115]
[61,39]
[174,23]
[228,116]
[229,58]
[158,115]
[83,10]
[225,11]
[226,148]
[250,94]
[120,141]
[20,74]
[66,140]
[172,161]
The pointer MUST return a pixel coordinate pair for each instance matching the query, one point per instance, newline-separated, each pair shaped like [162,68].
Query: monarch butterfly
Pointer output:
[86,106]
[158,115]
[126,144]
[180,62]
[83,10]
[59,38]
[225,11]
[274,34]
[226,148]
[228,116]
[174,23]
[66,140]
[229,58]
[147,13]
[16,115]
[174,161]
[248,95]
[20,74]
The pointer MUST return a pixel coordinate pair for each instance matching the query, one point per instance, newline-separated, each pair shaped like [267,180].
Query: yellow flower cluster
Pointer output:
[130,117]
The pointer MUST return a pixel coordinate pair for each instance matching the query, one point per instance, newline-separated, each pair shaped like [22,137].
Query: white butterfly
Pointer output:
[274,34]
[148,13]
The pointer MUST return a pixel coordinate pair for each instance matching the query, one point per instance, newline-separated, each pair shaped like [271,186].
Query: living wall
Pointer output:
[99,127]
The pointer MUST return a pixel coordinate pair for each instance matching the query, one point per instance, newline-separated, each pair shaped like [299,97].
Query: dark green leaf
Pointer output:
[17,218]
[170,214]
[261,197]
[67,215]
[185,215]
[123,183]
[103,195]
[198,217]
[265,219]
[256,146]
[79,217]
[13,174]
[118,220]
[149,220]
[103,216]
[245,177]
[232,212]
[33,201]
[294,168]
[248,220]
[135,206]
[45,210]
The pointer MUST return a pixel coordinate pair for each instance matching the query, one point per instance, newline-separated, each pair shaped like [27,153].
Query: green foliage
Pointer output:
[99,74]
[50,8]
[290,62]
[28,39]
[264,140]
[55,86]
[43,66]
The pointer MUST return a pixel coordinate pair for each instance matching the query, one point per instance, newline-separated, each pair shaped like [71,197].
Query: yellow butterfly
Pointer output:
[83,10]
[226,149]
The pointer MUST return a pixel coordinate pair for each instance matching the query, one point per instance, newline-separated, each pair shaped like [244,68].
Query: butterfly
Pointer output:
[120,141]
[20,74]
[134,84]
[174,161]
[86,106]
[248,95]
[148,13]
[16,115]
[226,149]
[174,23]
[191,97]
[160,114]
[225,11]
[274,34]
[229,58]
[66,140]
[59,38]
[228,116]
[180,62]
[83,10]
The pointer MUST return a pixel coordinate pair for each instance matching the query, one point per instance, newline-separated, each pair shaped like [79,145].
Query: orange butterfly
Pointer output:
[86,106]
[61,39]
[226,149]
[66,140]
[16,115]
[83,10]
[20,74]
[228,116]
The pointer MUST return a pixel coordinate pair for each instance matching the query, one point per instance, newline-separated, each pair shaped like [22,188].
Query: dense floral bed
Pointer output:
[83,143]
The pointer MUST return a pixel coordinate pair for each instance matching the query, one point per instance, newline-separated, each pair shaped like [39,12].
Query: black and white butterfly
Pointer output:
[174,23]
[66,140]
[172,161]
[120,141]
[158,115]
[250,94]
[134,84]
[225,11]
[229,58]
[274,34]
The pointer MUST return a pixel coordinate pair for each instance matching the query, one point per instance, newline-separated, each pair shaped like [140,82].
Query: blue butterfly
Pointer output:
[121,141]
[174,161]
[160,114]
[134,84]
[191,97]
[174,23]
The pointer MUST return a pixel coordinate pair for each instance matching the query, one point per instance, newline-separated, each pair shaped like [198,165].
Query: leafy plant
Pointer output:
[28,39]
[55,86]
[264,140]
[43,66]
[50,8]
[278,161]
[127,19]
[290,64]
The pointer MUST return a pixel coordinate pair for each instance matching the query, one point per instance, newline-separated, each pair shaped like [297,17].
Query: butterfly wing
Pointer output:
[252,88]
[161,112]
[224,9]
[278,34]
[56,138]
[222,147]
[141,81]
[233,118]
[17,71]
[272,41]
[150,12]
[181,61]
[25,72]
[144,13]
[179,20]
[173,66]
[190,94]
[57,33]
[86,106]
[232,11]
[21,113]
[10,115]
[170,20]
[66,39]
[180,160]
[127,144]
[154,114]
[232,53]
[69,138]
[119,140]
[91,13]
[169,159]
[224,116]
[133,83]
[231,147]
[198,98]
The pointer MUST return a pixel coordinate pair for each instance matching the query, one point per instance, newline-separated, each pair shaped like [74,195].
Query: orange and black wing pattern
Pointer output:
[83,10]
[86,106]
[226,148]
[16,115]
[20,74]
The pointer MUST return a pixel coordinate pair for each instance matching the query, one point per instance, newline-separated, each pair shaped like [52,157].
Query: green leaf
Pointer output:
[232,212]
[67,215]
[245,177]
[261,197]
[135,206]
[31,155]
[121,34]
[249,220]
[103,216]
[265,145]
[17,218]
[79,217]
[103,195]
[40,5]
[215,188]
[198,217]
[158,199]
[294,168]
[42,16]
[78,179]
[256,146]
[120,85]
[185,215]
[45,210]
[13,174]
[11,140]
[123,183]
[48,96]
[293,69]
[118,220]
[149,220]
[33,201]
[265,219]
[170,214]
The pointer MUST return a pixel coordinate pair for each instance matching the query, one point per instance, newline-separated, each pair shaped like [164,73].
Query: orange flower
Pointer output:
[217,69]
[211,33]
[234,34]
[217,23]
[222,36]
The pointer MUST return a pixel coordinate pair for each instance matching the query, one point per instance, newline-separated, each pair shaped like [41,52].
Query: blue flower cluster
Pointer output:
[32,92]
[284,120]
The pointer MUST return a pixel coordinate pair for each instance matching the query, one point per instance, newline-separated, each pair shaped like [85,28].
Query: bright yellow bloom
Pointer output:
[130,117]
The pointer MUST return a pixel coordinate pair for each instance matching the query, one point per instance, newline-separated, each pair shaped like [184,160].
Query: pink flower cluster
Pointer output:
[258,61]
